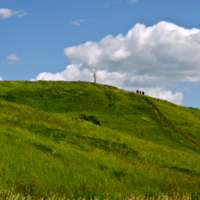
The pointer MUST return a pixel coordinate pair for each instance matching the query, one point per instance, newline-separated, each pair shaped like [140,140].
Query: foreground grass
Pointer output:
[12,196]
[47,149]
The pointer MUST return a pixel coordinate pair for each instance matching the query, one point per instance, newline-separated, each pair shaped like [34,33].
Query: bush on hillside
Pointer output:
[90,118]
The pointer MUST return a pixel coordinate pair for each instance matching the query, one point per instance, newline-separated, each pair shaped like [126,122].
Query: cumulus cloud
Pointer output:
[161,93]
[71,73]
[13,57]
[6,13]
[149,58]
[161,53]
[76,72]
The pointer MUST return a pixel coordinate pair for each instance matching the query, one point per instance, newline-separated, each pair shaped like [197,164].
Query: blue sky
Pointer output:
[150,45]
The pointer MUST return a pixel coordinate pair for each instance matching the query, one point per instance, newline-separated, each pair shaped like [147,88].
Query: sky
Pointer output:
[150,45]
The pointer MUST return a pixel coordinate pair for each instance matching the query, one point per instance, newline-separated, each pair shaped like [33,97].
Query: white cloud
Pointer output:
[13,57]
[1,79]
[19,13]
[154,55]
[161,93]
[6,13]
[71,73]
[78,22]
[149,58]
[76,72]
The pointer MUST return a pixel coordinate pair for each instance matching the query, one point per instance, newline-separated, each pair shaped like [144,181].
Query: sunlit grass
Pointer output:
[47,149]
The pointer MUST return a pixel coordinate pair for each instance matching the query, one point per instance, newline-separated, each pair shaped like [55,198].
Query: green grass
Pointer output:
[92,140]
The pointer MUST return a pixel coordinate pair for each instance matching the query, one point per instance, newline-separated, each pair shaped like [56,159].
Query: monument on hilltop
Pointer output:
[94,77]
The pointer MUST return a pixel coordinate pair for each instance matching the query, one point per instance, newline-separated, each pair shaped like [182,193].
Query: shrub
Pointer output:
[90,118]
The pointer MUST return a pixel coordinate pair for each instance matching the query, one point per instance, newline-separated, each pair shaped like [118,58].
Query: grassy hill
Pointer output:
[91,140]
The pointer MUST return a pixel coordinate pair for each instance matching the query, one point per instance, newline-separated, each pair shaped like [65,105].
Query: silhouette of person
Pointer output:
[140,92]
[143,92]
[137,91]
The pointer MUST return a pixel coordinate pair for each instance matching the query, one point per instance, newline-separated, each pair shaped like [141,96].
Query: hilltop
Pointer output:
[95,140]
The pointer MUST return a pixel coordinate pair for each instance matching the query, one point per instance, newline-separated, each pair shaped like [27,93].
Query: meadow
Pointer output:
[73,140]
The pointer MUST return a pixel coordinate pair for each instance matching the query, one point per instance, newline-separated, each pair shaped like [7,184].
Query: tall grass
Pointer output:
[48,148]
[12,196]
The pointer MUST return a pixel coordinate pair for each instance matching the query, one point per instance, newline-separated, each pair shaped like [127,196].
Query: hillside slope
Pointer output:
[91,140]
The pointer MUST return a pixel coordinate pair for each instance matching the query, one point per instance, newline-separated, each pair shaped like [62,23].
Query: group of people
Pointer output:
[139,92]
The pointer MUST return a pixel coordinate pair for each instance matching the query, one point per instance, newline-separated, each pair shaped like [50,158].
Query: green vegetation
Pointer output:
[91,140]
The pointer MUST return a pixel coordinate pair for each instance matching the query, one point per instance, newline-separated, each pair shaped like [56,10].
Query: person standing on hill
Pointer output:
[143,92]
[137,91]
[140,92]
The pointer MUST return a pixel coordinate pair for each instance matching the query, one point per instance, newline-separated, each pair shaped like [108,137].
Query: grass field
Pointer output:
[91,140]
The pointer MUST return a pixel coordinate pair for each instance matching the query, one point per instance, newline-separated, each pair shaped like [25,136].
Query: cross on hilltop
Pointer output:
[94,77]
